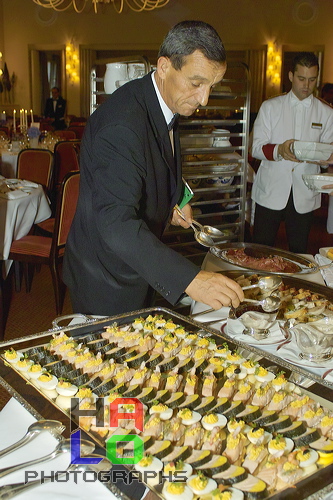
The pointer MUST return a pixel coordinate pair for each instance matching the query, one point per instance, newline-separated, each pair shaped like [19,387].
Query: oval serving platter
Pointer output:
[304,265]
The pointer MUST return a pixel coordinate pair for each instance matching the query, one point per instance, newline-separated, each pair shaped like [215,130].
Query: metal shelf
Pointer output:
[206,167]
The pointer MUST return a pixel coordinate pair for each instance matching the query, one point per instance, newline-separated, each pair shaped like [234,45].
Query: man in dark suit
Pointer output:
[55,109]
[131,180]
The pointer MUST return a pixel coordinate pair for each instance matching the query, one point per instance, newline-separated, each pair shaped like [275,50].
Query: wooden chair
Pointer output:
[77,120]
[36,165]
[65,134]
[78,129]
[65,160]
[46,126]
[33,250]
[5,130]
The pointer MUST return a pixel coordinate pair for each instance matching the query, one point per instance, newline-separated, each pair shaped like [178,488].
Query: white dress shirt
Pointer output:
[279,119]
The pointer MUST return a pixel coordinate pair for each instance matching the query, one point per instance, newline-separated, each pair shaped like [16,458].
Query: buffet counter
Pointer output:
[276,344]
[119,338]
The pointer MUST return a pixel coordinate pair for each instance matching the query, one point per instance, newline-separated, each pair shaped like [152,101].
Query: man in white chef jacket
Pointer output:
[278,190]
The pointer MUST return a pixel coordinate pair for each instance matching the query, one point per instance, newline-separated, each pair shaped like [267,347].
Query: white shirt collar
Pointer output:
[168,114]
[304,102]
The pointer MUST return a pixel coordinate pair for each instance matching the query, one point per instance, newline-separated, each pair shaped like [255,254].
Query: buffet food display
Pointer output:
[219,423]
[264,258]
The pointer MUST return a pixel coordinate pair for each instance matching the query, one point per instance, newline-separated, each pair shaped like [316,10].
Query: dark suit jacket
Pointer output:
[129,184]
[58,115]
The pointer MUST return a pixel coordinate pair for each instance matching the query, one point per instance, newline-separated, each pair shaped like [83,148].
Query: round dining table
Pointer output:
[18,214]
[19,210]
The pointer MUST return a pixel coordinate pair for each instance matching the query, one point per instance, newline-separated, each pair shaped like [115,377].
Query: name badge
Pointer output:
[317,125]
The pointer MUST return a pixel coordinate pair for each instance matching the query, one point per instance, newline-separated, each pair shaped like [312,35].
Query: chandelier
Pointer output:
[79,5]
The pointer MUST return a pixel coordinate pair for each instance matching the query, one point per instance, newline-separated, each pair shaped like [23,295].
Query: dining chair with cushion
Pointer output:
[77,120]
[36,165]
[46,126]
[78,129]
[33,250]
[5,130]
[65,160]
[65,134]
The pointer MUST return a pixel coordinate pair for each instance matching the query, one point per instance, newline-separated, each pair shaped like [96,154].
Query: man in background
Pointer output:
[55,109]
[278,189]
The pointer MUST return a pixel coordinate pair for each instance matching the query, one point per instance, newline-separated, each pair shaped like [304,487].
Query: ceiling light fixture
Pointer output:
[79,5]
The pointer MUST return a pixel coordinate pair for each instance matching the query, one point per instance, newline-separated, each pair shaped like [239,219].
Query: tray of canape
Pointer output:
[217,418]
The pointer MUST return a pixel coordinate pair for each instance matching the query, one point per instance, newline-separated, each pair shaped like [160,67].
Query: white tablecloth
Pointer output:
[17,217]
[8,164]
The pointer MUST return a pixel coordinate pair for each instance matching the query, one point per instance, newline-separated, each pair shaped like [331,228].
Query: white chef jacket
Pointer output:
[279,119]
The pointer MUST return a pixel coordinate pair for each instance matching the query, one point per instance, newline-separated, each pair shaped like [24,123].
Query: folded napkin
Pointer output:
[13,195]
[290,353]
[31,184]
[327,273]
[235,330]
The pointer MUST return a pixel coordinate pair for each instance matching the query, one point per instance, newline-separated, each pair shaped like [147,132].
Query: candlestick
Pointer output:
[32,116]
[21,122]
[26,118]
[14,121]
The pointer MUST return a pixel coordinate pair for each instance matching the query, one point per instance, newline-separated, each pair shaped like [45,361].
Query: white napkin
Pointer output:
[235,330]
[14,420]
[220,315]
[290,353]
[31,184]
[13,195]
[327,273]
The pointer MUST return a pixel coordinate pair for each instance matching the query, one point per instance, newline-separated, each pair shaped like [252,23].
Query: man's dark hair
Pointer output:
[188,36]
[56,88]
[308,59]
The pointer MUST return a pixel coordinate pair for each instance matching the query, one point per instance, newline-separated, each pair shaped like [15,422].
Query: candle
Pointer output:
[32,116]
[26,118]
[21,122]
[3,116]
[14,121]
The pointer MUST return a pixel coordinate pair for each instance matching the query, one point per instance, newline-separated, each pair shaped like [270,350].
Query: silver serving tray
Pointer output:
[305,266]
[42,407]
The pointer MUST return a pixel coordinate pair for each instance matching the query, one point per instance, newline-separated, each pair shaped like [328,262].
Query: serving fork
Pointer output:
[54,427]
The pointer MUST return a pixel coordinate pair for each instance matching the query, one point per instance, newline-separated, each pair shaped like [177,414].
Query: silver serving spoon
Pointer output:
[266,283]
[269,304]
[10,490]
[202,238]
[64,446]
[210,230]
[200,235]
[54,427]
